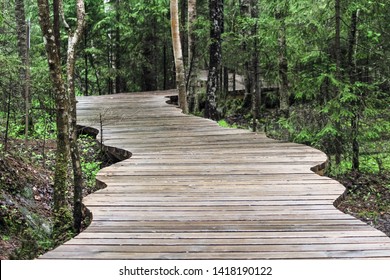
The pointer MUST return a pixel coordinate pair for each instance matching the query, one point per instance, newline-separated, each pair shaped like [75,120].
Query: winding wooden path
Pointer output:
[194,190]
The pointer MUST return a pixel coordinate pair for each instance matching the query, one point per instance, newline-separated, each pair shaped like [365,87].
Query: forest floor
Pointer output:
[26,193]
[367,198]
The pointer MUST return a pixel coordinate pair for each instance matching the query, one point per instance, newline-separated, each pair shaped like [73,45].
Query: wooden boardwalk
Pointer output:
[194,190]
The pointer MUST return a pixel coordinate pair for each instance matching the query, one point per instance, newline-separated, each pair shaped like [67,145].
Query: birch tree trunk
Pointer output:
[60,212]
[74,38]
[177,51]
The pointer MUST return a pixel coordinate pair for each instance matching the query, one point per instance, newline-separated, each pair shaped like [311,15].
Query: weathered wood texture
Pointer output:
[193,190]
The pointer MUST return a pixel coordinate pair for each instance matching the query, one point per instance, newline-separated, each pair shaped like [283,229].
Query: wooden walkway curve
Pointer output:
[194,190]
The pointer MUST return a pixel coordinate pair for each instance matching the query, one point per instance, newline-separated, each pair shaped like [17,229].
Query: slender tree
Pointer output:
[60,211]
[192,57]
[183,13]
[352,71]
[179,63]
[23,49]
[245,12]
[74,38]
[56,25]
[256,87]
[281,15]
[338,141]
[120,83]
[215,51]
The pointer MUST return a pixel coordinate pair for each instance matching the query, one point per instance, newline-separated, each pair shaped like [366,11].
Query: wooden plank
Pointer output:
[224,241]
[227,248]
[380,254]
[287,235]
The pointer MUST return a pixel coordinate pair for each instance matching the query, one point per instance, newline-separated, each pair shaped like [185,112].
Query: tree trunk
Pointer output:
[213,89]
[283,63]
[183,30]
[165,67]
[177,51]
[56,25]
[338,142]
[28,118]
[245,11]
[225,82]
[60,212]
[73,40]
[353,78]
[119,81]
[113,63]
[7,120]
[86,70]
[23,48]
[256,90]
[192,57]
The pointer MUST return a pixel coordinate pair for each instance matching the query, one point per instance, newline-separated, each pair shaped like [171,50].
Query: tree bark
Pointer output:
[23,50]
[119,83]
[60,212]
[256,90]
[353,78]
[177,51]
[7,120]
[56,25]
[86,69]
[283,63]
[165,67]
[245,12]
[74,37]
[338,142]
[213,89]
[192,57]
[183,30]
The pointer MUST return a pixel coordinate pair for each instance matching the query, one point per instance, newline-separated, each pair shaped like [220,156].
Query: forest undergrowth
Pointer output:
[26,195]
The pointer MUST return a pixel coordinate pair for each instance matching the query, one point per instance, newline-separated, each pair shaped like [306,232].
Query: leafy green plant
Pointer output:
[5,237]
[224,123]
[90,170]
[90,159]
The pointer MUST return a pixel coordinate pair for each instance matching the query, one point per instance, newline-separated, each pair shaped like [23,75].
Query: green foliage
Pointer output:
[90,170]
[90,159]
[224,123]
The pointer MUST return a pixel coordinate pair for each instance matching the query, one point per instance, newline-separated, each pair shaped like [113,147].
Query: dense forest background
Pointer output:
[310,71]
